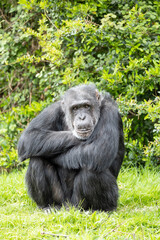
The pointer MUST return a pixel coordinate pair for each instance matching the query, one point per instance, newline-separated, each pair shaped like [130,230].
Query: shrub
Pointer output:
[64,43]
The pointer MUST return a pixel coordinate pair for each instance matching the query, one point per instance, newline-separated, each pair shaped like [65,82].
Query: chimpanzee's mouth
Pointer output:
[84,131]
[84,134]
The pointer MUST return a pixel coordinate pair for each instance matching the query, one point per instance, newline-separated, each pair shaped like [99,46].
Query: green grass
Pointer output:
[137,216]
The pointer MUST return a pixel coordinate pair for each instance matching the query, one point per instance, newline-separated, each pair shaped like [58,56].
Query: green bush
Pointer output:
[48,46]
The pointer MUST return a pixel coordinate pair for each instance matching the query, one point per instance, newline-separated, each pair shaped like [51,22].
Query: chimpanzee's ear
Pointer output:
[99,97]
[62,105]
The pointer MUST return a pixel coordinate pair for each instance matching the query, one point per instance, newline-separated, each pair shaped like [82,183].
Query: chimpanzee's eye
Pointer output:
[86,106]
[74,108]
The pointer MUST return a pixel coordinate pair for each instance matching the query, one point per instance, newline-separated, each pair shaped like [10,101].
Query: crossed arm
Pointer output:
[99,151]
[44,137]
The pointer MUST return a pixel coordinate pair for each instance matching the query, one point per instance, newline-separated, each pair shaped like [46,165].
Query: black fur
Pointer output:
[64,168]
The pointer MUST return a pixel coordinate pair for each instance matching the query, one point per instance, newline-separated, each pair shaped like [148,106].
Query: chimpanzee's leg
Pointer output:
[97,191]
[43,183]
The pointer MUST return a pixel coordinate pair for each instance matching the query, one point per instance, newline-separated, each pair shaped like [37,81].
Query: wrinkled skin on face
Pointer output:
[82,110]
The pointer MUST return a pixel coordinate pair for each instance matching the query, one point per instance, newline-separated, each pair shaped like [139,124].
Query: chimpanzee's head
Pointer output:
[81,106]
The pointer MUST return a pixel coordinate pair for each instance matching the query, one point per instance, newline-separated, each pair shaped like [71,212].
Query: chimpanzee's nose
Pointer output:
[82,117]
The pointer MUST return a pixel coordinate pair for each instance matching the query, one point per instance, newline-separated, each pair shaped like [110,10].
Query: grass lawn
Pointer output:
[137,216]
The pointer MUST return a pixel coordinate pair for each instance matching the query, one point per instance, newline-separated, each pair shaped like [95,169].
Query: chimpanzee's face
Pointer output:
[83,120]
[82,111]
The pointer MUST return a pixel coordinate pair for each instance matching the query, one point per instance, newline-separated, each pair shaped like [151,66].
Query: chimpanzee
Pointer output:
[76,149]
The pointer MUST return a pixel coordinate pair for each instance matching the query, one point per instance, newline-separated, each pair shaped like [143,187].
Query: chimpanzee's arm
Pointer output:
[45,136]
[101,149]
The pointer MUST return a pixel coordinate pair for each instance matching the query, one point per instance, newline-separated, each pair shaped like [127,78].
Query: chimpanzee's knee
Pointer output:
[98,191]
[43,183]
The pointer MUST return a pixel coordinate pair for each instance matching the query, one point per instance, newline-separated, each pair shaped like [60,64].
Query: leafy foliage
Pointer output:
[48,46]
